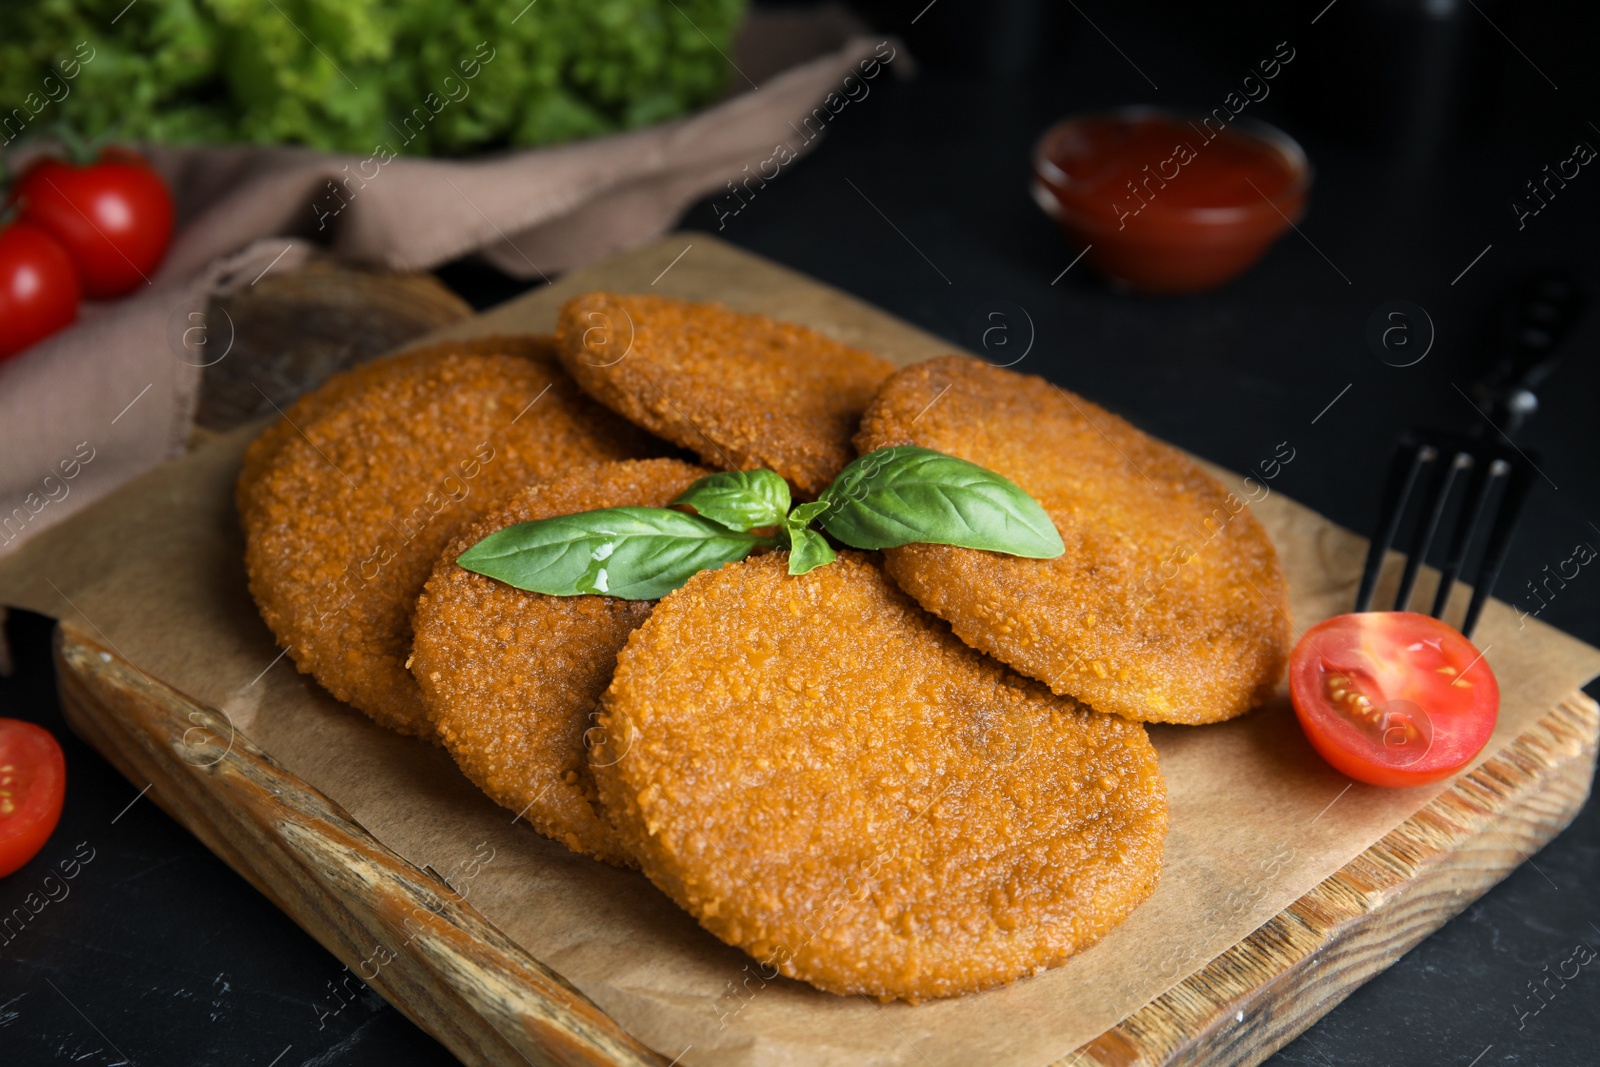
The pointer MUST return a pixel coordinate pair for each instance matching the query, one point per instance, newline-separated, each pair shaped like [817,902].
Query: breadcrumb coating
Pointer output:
[1169,604]
[740,390]
[511,678]
[825,777]
[345,514]
[258,456]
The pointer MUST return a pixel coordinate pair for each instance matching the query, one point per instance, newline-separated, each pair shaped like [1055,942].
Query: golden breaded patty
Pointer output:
[1169,604]
[741,390]
[258,456]
[824,776]
[345,518]
[511,678]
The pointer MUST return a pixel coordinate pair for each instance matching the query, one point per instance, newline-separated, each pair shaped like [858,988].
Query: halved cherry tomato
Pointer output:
[113,216]
[33,783]
[38,287]
[1392,697]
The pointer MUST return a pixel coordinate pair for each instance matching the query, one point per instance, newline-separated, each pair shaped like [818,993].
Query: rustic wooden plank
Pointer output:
[407,934]
[1257,996]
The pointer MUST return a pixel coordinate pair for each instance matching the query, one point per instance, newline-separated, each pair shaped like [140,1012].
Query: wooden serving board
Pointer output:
[491,1002]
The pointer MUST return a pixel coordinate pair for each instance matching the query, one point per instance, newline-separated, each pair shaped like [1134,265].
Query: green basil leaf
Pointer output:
[899,495]
[804,513]
[808,550]
[739,500]
[632,553]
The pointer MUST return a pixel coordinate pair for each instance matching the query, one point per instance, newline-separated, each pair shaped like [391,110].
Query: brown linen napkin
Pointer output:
[109,398]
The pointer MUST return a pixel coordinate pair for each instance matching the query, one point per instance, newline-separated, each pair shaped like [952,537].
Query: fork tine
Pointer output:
[1409,460]
[1467,520]
[1505,522]
[1438,497]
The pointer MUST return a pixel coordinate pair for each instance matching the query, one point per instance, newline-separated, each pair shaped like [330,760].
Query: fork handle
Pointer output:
[1538,316]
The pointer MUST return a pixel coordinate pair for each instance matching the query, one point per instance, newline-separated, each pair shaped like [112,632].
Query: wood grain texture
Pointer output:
[1254,998]
[489,1002]
[406,933]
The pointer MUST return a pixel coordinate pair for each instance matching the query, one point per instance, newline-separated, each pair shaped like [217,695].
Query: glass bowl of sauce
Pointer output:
[1166,202]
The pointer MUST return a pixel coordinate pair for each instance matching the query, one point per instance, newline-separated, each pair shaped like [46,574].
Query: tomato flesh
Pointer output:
[33,784]
[1393,698]
[114,217]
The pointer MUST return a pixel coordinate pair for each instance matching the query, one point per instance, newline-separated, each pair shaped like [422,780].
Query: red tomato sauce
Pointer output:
[1162,167]
[1168,203]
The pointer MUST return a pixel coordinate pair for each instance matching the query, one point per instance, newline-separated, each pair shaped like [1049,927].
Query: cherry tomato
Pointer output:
[113,216]
[1392,697]
[38,287]
[33,783]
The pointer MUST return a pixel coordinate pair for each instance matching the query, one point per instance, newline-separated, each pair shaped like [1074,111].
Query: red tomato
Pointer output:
[33,782]
[113,216]
[38,287]
[1392,697]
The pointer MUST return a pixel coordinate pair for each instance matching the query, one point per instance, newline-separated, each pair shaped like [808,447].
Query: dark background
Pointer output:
[1422,131]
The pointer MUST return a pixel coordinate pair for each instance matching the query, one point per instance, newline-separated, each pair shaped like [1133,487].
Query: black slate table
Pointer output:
[917,201]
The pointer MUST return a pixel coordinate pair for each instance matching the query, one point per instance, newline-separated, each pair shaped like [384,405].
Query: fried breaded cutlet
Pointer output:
[511,678]
[740,390]
[259,454]
[1169,604]
[824,776]
[345,516]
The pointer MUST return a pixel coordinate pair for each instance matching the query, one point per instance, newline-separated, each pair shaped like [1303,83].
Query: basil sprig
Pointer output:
[894,496]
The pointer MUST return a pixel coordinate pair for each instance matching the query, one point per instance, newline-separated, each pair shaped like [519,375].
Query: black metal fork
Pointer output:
[1481,479]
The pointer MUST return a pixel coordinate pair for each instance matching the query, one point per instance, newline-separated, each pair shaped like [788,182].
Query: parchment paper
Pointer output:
[1257,818]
